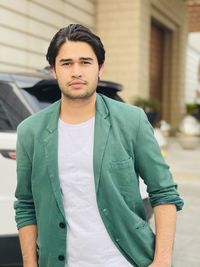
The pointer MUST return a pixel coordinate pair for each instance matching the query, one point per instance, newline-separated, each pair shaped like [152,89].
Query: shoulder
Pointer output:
[37,119]
[128,120]
[121,109]
[125,118]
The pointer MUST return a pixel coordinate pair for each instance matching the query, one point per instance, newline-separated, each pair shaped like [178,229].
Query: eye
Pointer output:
[86,62]
[66,64]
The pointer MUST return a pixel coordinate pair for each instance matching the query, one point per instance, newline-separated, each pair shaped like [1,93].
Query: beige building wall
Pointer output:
[125,29]
[193,7]
[27,26]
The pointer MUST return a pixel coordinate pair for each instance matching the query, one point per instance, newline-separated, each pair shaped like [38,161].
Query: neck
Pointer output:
[77,111]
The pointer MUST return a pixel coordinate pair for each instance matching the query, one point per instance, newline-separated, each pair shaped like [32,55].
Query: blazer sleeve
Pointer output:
[24,204]
[152,168]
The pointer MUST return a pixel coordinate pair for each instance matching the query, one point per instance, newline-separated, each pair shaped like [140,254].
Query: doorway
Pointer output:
[160,62]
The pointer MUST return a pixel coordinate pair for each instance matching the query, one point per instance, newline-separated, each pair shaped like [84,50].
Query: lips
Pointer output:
[77,83]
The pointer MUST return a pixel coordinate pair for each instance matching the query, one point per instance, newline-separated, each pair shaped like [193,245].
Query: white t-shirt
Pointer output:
[88,243]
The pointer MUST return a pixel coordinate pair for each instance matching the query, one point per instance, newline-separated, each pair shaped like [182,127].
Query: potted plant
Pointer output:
[190,127]
[151,107]
[193,109]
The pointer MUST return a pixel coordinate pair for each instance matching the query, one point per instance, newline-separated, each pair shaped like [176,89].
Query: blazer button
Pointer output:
[62,225]
[61,258]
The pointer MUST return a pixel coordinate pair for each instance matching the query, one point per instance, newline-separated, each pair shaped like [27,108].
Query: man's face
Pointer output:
[77,70]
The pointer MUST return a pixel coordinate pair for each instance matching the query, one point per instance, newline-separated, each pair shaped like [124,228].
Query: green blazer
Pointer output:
[124,149]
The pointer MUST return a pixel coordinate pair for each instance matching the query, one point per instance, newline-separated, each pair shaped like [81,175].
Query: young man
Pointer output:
[78,162]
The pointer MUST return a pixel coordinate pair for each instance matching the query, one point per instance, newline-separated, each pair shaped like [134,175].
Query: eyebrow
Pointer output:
[87,58]
[64,60]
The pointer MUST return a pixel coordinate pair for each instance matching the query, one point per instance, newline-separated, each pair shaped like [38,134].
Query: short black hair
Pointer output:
[75,32]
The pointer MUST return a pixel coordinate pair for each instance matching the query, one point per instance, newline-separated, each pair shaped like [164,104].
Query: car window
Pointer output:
[5,123]
[12,108]
[25,81]
[42,94]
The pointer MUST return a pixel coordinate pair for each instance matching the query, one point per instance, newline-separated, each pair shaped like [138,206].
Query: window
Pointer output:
[12,110]
[42,94]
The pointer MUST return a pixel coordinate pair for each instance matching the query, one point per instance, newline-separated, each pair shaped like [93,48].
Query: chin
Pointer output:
[79,95]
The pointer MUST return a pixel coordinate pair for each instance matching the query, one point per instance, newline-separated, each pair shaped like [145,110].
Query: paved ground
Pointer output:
[187,243]
[185,165]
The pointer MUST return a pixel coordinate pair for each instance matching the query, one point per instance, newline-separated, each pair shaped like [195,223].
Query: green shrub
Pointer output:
[147,104]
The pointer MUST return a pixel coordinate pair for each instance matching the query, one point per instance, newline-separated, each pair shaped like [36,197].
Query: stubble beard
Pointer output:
[78,95]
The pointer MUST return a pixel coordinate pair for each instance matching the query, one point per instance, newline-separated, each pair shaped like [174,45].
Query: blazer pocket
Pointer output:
[121,171]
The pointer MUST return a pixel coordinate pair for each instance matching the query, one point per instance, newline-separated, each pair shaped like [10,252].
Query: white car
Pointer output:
[20,96]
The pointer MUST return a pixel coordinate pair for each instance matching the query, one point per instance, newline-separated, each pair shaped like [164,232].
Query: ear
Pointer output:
[101,69]
[54,72]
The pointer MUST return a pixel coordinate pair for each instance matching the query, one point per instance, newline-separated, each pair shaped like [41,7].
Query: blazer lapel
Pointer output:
[101,133]
[51,153]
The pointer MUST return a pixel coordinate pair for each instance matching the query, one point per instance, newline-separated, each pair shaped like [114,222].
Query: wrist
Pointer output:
[30,263]
[161,263]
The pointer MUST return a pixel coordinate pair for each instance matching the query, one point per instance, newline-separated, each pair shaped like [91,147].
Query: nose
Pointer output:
[76,71]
